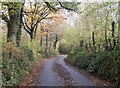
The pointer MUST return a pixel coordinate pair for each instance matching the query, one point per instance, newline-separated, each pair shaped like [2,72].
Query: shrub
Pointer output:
[105,64]
[95,61]
[64,49]
[29,53]
[15,63]
[80,59]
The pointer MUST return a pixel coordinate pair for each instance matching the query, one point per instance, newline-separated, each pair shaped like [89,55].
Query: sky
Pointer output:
[71,16]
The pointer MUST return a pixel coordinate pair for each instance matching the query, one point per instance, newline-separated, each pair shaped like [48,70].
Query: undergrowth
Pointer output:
[104,63]
[15,63]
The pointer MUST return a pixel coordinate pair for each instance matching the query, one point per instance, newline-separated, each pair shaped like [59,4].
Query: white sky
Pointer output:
[71,16]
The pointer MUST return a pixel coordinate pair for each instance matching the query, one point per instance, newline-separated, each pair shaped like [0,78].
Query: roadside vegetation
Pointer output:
[93,43]
[29,33]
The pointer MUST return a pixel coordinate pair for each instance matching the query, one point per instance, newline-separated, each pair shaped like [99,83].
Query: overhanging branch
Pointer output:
[50,7]
[64,6]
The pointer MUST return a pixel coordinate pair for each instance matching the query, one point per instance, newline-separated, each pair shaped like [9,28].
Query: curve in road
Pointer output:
[55,72]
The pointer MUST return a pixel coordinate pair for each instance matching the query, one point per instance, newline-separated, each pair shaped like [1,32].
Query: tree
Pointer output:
[32,17]
[38,11]
[50,30]
[13,21]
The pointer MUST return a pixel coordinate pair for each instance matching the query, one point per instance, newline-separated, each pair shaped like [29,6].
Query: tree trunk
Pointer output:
[14,22]
[12,28]
[106,40]
[89,43]
[113,35]
[56,40]
[119,24]
[41,41]
[93,40]
[82,44]
[50,43]
[31,36]
[18,35]
[46,47]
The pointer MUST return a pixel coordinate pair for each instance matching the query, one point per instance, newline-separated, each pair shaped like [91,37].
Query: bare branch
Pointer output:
[50,7]
[64,6]
[25,23]
[26,28]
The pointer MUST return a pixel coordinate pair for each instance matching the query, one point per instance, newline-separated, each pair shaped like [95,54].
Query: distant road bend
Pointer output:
[55,72]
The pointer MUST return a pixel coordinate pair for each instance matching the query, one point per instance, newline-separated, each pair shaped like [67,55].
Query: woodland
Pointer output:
[87,32]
